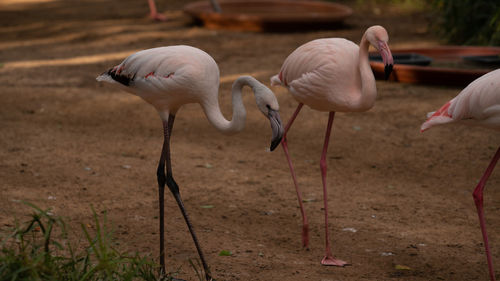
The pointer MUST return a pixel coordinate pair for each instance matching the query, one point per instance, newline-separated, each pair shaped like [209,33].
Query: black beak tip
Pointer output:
[275,144]
[388,70]
[277,128]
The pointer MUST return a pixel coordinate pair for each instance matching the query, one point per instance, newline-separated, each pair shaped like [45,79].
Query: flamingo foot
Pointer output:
[305,236]
[158,17]
[331,261]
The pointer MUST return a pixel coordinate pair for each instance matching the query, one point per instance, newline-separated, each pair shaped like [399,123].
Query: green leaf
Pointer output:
[207,206]
[402,267]
[225,253]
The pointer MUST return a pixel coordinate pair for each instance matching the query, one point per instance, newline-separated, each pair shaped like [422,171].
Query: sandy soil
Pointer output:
[69,143]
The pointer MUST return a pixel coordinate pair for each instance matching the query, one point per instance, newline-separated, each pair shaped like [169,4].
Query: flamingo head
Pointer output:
[378,38]
[268,105]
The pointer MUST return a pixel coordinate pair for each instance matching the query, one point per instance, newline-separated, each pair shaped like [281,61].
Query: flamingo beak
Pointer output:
[386,54]
[387,71]
[276,127]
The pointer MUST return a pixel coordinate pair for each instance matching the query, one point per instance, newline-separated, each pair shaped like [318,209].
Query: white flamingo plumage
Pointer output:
[479,105]
[331,74]
[167,78]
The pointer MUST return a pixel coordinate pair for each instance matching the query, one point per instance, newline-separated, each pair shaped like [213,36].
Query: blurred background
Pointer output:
[400,201]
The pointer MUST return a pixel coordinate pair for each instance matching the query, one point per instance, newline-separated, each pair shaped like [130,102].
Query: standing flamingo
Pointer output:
[331,74]
[478,104]
[167,78]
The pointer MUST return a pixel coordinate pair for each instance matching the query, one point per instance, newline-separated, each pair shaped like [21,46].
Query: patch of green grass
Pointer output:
[469,22]
[30,252]
[407,3]
[225,253]
[198,269]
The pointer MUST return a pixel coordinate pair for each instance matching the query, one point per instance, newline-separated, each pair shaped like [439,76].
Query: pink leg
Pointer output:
[478,200]
[153,12]
[329,259]
[305,224]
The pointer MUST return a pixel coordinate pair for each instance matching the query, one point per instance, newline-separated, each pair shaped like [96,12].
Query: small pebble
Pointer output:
[350,229]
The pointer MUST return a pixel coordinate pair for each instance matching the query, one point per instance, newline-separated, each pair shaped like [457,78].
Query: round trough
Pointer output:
[451,65]
[268,15]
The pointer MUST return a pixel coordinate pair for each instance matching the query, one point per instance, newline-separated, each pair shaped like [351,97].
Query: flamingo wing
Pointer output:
[145,70]
[322,73]
[477,104]
[183,72]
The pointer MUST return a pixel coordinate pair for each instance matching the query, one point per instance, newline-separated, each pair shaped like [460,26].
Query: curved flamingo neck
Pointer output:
[214,114]
[368,86]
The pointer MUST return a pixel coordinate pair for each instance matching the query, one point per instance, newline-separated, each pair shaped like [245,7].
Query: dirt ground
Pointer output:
[69,143]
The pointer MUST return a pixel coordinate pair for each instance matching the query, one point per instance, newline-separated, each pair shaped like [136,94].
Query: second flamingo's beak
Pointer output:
[386,55]
[276,127]
[387,70]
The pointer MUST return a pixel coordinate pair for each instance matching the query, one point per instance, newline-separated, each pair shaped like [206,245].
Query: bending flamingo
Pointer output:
[331,75]
[167,78]
[478,104]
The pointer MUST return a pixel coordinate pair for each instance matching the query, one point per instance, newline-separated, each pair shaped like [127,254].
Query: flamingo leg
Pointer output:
[305,224]
[174,189]
[329,259]
[478,200]
[160,174]
[154,13]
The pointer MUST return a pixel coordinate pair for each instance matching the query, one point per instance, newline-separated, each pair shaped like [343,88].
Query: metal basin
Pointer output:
[405,58]
[269,15]
[447,67]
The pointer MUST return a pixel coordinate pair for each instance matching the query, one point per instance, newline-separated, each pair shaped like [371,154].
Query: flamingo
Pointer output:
[331,74]
[167,78]
[478,104]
